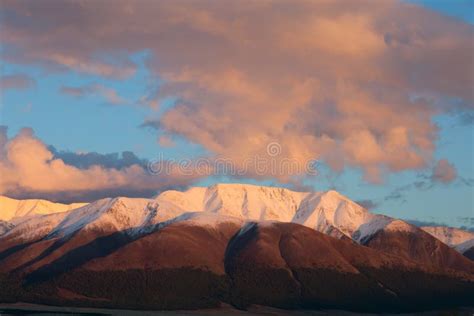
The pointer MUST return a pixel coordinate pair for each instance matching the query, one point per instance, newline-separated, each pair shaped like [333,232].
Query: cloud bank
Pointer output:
[352,84]
[29,168]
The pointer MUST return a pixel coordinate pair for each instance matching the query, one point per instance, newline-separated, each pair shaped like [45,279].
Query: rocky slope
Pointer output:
[230,243]
[201,260]
[328,212]
[449,235]
[461,240]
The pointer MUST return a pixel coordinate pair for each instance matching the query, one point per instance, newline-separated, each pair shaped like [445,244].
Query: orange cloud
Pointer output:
[353,84]
[444,171]
[28,167]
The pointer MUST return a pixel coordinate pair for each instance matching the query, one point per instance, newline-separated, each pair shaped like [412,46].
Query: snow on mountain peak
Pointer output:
[243,201]
[329,212]
[11,209]
[399,226]
[325,211]
[449,235]
[114,214]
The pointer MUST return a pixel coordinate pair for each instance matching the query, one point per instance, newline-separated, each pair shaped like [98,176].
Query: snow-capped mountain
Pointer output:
[449,235]
[105,215]
[12,209]
[103,251]
[328,212]
[466,246]
[269,262]
[461,240]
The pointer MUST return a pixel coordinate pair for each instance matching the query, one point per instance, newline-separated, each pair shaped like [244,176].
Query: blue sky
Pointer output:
[92,123]
[458,9]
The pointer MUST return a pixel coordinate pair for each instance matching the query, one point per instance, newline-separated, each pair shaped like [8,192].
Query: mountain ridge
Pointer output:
[227,260]
[329,212]
[230,242]
[12,209]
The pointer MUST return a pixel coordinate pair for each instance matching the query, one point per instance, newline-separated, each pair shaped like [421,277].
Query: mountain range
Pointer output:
[229,243]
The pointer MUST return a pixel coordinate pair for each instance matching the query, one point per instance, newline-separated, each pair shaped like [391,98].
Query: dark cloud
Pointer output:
[442,173]
[152,124]
[398,194]
[422,183]
[467,118]
[421,223]
[463,118]
[470,229]
[467,181]
[368,204]
[86,160]
[468,221]
[469,226]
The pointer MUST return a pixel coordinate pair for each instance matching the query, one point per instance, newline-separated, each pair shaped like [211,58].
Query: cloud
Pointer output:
[464,223]
[16,82]
[166,141]
[30,169]
[444,172]
[421,223]
[398,194]
[467,181]
[423,182]
[351,84]
[368,204]
[466,118]
[110,95]
[86,160]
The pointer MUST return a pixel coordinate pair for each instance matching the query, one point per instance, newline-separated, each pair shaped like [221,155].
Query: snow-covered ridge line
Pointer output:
[449,235]
[12,209]
[328,212]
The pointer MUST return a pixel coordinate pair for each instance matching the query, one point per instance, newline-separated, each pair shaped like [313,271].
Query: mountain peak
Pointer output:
[449,235]
[12,208]
[328,212]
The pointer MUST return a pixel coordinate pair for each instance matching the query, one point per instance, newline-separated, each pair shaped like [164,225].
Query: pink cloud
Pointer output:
[352,84]
[16,81]
[110,95]
[444,172]
[29,168]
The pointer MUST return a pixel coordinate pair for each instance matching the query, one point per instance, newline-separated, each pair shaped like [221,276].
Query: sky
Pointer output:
[371,98]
